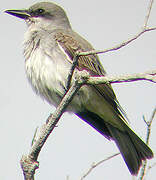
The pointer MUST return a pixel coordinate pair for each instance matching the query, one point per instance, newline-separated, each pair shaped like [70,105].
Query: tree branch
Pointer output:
[149,76]
[94,165]
[119,46]
[123,44]
[148,13]
[149,125]
[29,162]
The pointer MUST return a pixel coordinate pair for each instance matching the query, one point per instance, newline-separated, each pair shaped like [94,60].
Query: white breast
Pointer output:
[47,76]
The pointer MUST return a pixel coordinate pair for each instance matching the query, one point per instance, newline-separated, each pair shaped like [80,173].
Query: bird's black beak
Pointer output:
[23,14]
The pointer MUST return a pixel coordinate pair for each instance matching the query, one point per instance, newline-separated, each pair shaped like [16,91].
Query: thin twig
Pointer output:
[123,44]
[143,169]
[149,125]
[119,46]
[97,164]
[148,14]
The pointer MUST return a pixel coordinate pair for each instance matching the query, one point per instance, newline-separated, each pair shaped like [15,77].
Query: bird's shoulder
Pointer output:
[72,42]
[66,39]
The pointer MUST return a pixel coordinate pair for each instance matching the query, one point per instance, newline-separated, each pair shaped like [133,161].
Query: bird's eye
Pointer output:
[40,11]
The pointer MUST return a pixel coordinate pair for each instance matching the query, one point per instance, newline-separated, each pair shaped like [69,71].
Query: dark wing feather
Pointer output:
[71,42]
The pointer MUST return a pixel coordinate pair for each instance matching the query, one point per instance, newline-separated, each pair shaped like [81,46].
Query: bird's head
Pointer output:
[43,15]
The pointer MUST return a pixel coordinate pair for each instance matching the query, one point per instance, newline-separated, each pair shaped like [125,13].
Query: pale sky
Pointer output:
[74,145]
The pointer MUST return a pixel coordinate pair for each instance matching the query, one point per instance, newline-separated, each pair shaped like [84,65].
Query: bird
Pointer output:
[50,45]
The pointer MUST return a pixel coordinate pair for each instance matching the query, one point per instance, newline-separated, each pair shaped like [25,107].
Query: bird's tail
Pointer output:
[131,147]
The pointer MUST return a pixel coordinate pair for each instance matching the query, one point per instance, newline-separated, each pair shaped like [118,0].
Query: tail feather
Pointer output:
[142,148]
[131,147]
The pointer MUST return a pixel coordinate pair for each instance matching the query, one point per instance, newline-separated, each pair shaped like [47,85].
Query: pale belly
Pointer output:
[48,77]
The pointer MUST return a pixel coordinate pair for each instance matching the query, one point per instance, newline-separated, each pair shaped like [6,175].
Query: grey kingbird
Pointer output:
[50,44]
